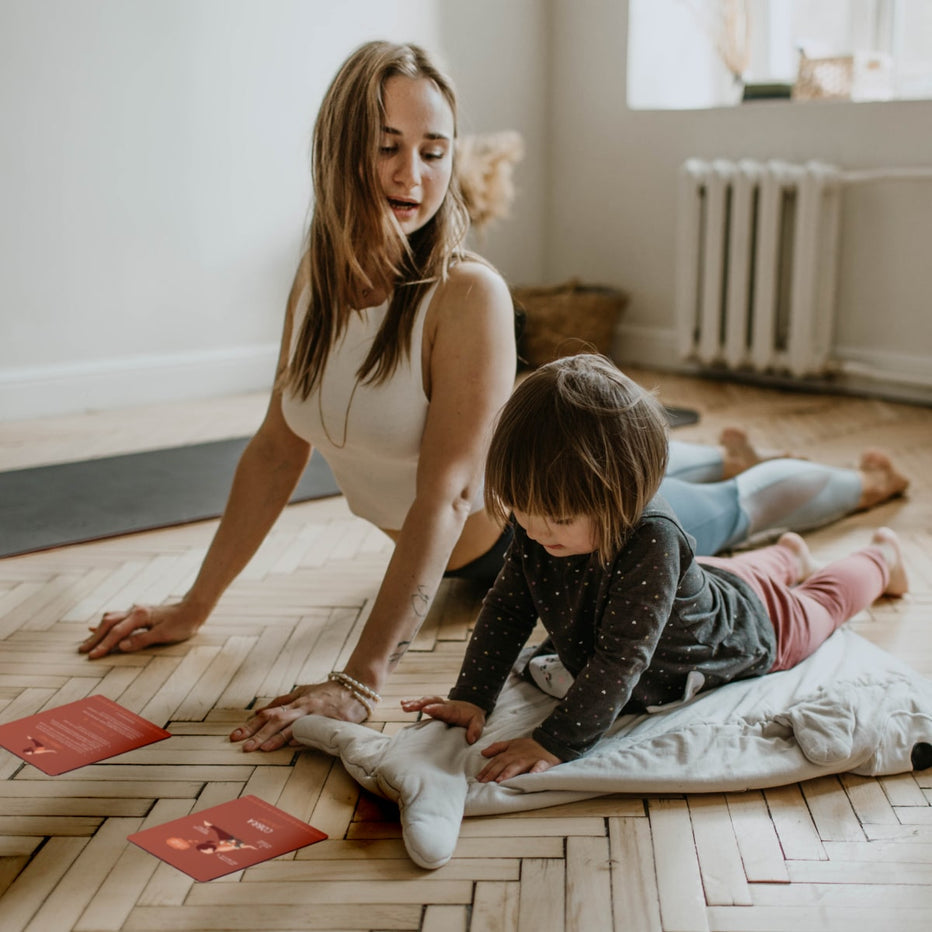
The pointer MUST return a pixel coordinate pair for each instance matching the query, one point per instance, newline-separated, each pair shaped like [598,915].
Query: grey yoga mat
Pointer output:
[68,503]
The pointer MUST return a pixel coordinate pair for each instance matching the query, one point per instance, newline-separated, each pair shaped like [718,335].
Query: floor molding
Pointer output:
[864,372]
[106,384]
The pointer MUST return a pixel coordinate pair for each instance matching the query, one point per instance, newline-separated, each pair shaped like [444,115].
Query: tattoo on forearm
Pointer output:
[420,602]
[398,653]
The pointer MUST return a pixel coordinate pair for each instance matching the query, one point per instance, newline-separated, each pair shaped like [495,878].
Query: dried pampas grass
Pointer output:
[484,168]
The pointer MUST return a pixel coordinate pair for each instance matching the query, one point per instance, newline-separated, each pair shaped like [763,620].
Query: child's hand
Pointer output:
[510,758]
[451,711]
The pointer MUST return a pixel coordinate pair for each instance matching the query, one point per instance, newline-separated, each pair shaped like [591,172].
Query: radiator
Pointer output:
[756,260]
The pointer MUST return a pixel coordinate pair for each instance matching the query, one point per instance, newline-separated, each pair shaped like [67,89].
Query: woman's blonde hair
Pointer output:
[578,437]
[350,223]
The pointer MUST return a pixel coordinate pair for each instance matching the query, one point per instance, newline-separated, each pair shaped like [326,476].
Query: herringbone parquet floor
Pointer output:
[839,853]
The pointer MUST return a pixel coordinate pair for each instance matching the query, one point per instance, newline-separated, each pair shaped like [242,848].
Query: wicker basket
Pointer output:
[566,319]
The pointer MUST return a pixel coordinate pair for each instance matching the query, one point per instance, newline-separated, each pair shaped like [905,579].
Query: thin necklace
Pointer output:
[323,423]
[349,404]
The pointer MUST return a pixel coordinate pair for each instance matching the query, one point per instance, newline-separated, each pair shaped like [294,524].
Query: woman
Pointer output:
[404,410]
[398,350]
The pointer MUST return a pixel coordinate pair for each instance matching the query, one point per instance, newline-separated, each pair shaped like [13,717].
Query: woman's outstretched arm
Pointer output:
[266,476]
[470,365]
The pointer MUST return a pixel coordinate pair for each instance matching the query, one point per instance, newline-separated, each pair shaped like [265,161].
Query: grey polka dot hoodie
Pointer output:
[629,633]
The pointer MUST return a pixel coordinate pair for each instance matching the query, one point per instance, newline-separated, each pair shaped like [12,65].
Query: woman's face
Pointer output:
[415,151]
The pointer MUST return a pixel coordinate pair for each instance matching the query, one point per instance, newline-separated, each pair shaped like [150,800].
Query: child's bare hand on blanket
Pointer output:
[452,711]
[510,758]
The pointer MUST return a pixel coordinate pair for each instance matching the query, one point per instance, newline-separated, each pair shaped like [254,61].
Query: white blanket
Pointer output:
[850,707]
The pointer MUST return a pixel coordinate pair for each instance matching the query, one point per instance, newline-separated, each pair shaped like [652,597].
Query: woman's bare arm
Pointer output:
[472,365]
[471,346]
[266,476]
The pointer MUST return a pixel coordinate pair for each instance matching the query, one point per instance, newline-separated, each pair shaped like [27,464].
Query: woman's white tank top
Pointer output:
[370,435]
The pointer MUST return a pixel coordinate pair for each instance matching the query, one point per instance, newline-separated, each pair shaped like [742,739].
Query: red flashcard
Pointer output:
[227,838]
[79,733]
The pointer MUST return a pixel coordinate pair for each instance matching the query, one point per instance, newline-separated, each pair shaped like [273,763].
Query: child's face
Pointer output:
[560,537]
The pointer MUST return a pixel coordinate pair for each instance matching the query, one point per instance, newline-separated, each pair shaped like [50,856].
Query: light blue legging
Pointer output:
[773,496]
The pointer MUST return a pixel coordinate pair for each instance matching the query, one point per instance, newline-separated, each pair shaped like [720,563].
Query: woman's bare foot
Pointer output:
[739,454]
[879,479]
[806,564]
[889,545]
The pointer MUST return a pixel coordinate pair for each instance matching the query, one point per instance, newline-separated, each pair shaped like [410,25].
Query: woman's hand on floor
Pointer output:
[510,758]
[452,711]
[141,626]
[270,727]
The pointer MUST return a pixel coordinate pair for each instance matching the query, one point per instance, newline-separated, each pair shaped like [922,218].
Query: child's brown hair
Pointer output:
[578,437]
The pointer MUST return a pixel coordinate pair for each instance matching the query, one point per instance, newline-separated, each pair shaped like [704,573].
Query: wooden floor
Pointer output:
[841,853]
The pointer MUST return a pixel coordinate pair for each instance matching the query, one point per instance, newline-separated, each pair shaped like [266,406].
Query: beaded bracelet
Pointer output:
[355,685]
[361,693]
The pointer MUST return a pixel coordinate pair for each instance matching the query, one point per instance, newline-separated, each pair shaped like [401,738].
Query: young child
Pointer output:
[636,620]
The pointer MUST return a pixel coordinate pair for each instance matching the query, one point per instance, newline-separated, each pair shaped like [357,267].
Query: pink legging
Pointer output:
[804,615]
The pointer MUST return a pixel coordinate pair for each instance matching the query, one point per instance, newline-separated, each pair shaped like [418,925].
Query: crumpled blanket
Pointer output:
[851,707]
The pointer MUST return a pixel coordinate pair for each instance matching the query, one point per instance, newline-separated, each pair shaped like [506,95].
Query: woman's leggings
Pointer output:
[804,615]
[773,496]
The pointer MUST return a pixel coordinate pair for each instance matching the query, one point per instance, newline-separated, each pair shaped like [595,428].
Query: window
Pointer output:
[709,53]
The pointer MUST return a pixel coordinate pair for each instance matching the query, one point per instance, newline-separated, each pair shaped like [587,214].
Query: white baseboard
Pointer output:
[877,373]
[901,369]
[118,383]
[650,347]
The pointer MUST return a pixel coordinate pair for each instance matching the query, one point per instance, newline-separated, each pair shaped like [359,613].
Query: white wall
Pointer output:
[154,182]
[613,187]
[498,53]
[154,178]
